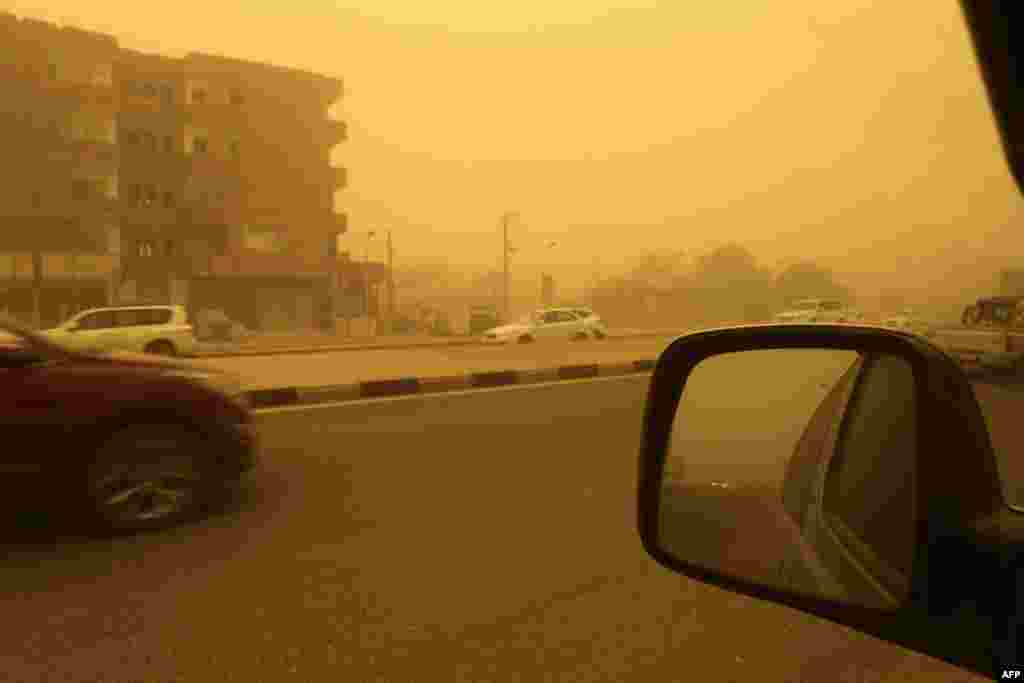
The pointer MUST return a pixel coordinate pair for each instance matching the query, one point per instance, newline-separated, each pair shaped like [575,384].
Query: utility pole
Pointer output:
[505,251]
[391,283]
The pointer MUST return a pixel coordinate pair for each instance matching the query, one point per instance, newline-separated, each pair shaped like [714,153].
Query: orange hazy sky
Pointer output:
[851,131]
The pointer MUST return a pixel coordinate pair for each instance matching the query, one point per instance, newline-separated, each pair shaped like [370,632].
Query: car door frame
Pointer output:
[836,546]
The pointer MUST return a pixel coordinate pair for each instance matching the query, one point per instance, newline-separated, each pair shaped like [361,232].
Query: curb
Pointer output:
[409,386]
[387,347]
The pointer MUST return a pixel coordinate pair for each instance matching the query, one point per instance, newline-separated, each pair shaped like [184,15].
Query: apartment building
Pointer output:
[200,180]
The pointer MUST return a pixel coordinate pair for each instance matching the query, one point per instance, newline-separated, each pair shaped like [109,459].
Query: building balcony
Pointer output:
[206,164]
[340,223]
[155,215]
[251,263]
[338,131]
[198,214]
[340,177]
[78,93]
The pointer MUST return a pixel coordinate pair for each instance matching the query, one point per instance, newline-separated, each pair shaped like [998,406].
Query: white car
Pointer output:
[818,311]
[548,323]
[163,330]
[595,325]
[906,319]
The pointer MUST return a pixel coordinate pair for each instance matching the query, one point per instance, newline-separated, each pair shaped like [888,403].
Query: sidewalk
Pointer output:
[311,342]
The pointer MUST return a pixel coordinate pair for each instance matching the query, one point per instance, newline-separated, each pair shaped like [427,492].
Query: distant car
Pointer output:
[594,323]
[907,319]
[819,311]
[130,441]
[548,323]
[162,330]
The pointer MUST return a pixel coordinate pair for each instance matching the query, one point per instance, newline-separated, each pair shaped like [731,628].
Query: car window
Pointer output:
[565,316]
[831,306]
[156,316]
[97,321]
[551,317]
[130,317]
[869,487]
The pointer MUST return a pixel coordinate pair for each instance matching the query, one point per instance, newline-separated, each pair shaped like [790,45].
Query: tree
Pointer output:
[731,287]
[805,280]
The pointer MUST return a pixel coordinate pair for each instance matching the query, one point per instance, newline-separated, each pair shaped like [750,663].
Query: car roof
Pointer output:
[169,307]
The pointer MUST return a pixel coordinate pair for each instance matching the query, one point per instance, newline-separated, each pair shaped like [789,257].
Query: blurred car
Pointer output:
[906,319]
[132,441]
[594,323]
[547,323]
[162,330]
[818,311]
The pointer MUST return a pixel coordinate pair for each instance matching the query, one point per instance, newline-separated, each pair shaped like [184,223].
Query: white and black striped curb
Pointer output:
[283,351]
[406,386]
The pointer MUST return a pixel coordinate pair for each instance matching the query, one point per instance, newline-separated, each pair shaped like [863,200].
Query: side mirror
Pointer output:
[840,470]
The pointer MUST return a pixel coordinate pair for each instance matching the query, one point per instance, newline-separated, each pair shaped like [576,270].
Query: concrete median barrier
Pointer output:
[409,386]
[254,349]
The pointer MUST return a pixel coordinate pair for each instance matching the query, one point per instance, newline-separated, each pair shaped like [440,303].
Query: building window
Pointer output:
[148,89]
[168,143]
[168,199]
[144,248]
[130,137]
[51,71]
[167,93]
[170,249]
[198,96]
[149,140]
[235,150]
[151,195]
[200,145]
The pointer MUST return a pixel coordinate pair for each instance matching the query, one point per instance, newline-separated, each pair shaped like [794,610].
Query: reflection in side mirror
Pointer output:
[795,469]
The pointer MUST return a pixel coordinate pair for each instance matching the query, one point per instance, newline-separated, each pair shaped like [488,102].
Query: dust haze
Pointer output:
[851,133]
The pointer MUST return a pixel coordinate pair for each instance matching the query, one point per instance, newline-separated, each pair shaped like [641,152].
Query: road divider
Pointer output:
[408,386]
[222,351]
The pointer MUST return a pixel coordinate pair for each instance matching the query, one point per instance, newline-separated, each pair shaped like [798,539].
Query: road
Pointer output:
[484,536]
[343,367]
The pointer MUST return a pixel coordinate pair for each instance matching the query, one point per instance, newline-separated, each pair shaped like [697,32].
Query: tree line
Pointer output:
[725,285]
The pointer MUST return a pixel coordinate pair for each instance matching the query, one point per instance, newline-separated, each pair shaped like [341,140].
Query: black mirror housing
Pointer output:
[957,479]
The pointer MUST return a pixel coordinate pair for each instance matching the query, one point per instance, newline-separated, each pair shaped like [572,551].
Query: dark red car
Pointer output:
[132,441]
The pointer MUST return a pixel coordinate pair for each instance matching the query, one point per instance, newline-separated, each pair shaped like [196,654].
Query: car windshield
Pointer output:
[362,212]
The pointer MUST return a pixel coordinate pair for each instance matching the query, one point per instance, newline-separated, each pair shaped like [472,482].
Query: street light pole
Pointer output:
[391,282]
[505,253]
[366,279]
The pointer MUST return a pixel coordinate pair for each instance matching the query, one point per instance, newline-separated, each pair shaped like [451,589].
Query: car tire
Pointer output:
[525,339]
[149,477]
[161,347]
[598,334]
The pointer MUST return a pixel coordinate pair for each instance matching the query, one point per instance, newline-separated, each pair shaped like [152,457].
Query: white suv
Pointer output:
[162,330]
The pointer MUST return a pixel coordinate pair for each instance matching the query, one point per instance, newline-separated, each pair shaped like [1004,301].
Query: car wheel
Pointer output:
[525,339]
[161,348]
[148,477]
[598,334]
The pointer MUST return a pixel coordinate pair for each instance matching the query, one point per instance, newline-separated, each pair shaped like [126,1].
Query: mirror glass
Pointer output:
[794,469]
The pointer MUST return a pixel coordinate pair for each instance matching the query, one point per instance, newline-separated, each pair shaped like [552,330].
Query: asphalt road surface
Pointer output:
[343,367]
[478,536]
